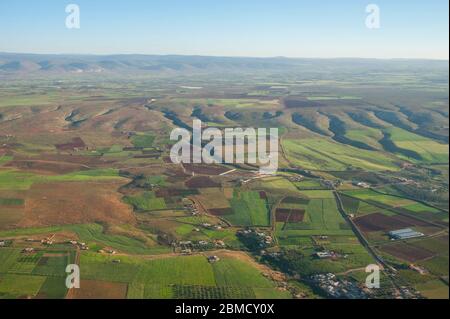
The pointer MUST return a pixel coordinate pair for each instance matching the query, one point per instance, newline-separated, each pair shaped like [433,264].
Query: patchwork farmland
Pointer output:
[86,177]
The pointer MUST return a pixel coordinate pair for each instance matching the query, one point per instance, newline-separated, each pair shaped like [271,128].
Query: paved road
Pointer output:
[358,233]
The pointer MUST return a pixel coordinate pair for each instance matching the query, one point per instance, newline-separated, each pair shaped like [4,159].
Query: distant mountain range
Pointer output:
[18,63]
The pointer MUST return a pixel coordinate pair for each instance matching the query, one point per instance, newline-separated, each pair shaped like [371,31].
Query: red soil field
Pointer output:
[87,161]
[151,156]
[94,289]
[289,215]
[220,211]
[63,203]
[296,200]
[167,160]
[379,222]
[425,227]
[282,215]
[412,221]
[211,170]
[407,252]
[47,167]
[77,143]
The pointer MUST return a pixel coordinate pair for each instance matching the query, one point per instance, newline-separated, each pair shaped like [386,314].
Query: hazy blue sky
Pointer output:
[294,28]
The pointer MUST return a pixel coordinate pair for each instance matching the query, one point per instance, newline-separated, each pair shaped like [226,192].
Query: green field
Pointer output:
[13,180]
[180,277]
[5,159]
[24,275]
[20,286]
[16,180]
[434,290]
[430,150]
[96,237]
[230,103]
[367,135]
[321,218]
[372,201]
[369,195]
[248,209]
[308,184]
[147,201]
[11,202]
[302,261]
[144,141]
[323,154]
[275,185]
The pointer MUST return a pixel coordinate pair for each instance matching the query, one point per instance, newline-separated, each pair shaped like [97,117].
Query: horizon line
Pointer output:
[230,56]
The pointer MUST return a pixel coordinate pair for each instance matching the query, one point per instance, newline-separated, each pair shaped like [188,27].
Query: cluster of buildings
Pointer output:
[296,178]
[405,180]
[107,251]
[338,288]
[326,255]
[213,259]
[82,246]
[186,247]
[209,226]
[262,239]
[330,184]
[128,134]
[190,207]
[361,184]
[28,250]
[407,165]
[48,241]
[405,292]
[419,269]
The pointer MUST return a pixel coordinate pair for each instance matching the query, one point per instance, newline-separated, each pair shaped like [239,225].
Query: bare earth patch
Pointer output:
[95,289]
[407,252]
[74,203]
